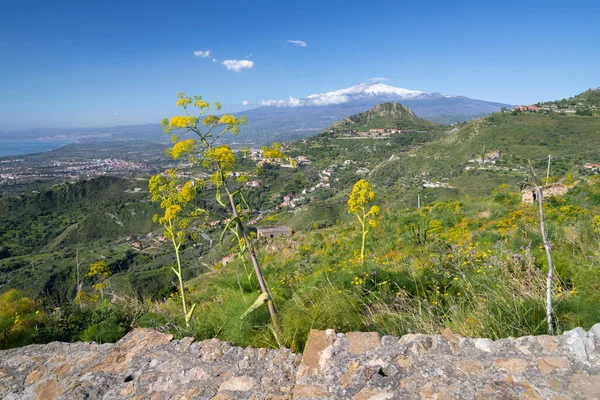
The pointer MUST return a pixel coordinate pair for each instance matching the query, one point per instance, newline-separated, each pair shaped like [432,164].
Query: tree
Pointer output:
[219,160]
[362,195]
[540,198]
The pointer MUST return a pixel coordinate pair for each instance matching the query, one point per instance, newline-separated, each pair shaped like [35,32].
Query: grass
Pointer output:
[475,266]
[466,260]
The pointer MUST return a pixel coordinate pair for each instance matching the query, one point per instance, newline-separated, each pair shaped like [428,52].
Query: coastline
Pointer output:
[33,151]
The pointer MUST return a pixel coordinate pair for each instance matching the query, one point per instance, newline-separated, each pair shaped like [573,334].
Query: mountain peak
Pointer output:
[366,90]
[382,116]
[340,103]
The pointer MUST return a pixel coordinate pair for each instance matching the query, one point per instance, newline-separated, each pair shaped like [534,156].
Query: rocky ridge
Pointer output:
[147,364]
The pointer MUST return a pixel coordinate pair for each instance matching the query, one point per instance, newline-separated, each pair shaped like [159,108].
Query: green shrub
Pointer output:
[19,319]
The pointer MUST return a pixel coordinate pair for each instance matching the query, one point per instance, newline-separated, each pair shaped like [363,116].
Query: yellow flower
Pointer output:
[172,212]
[180,122]
[182,148]
[273,152]
[225,157]
[183,102]
[210,120]
[362,194]
[188,192]
[228,119]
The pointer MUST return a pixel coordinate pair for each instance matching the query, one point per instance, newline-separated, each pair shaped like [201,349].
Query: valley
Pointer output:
[451,229]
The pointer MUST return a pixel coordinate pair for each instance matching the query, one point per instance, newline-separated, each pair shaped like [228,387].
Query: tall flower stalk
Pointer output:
[175,220]
[362,195]
[205,150]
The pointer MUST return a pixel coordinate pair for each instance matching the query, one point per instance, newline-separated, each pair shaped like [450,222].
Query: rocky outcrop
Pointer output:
[366,366]
[150,365]
[146,364]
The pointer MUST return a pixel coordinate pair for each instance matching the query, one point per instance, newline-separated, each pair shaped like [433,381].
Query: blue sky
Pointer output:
[104,63]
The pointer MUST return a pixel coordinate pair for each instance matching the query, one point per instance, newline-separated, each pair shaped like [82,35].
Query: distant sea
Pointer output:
[16,147]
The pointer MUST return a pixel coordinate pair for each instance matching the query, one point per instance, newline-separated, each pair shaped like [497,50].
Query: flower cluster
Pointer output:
[361,195]
[182,122]
[183,102]
[225,157]
[273,152]
[182,148]
[201,104]
[228,120]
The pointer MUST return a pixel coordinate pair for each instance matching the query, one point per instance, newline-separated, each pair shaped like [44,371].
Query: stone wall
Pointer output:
[147,364]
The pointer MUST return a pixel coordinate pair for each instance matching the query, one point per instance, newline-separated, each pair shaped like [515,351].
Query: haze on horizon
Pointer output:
[107,64]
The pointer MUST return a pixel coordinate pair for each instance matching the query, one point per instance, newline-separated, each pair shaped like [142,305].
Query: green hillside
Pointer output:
[471,158]
[457,157]
[470,258]
[44,234]
[591,97]
[382,116]
[586,103]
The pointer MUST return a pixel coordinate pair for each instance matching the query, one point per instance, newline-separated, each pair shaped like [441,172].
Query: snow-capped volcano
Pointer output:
[372,89]
[361,92]
[295,118]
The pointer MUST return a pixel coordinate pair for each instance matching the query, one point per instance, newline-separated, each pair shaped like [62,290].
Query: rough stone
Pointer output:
[48,390]
[483,344]
[549,364]
[586,385]
[62,370]
[150,365]
[310,391]
[362,341]
[530,394]
[515,365]
[347,378]
[549,343]
[596,330]
[576,342]
[451,338]
[404,362]
[471,367]
[127,348]
[237,384]
[35,375]
[316,352]
[372,394]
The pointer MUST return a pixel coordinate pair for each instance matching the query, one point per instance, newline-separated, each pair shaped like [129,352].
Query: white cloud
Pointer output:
[203,54]
[214,60]
[297,43]
[379,79]
[327,100]
[116,113]
[291,102]
[245,102]
[238,65]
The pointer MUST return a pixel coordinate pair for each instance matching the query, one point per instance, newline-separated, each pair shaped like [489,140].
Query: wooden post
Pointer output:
[79,283]
[540,197]
[548,173]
